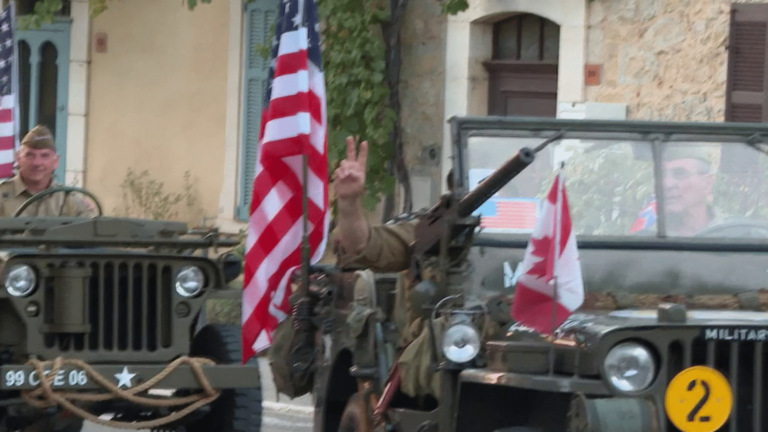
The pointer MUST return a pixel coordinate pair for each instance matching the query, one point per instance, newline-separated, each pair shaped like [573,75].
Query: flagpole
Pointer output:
[304,198]
[305,235]
[558,229]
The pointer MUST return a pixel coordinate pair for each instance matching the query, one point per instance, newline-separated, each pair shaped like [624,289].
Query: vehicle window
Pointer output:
[609,184]
[709,189]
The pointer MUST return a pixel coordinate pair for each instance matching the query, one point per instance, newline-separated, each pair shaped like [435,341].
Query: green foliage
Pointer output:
[606,188]
[44,13]
[358,94]
[356,87]
[96,7]
[743,190]
[144,197]
[607,185]
[453,7]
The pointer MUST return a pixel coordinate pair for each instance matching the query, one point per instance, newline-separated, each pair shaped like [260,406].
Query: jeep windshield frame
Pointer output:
[648,141]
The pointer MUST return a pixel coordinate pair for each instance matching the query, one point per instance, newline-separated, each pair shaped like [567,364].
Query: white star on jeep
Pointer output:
[124,378]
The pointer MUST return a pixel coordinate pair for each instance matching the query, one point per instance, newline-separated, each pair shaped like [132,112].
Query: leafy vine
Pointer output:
[354,60]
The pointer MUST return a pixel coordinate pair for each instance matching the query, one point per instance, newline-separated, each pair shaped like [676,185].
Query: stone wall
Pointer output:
[666,58]
[421,93]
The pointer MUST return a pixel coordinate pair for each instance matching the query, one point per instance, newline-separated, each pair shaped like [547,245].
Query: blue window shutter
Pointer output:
[260,15]
[44,83]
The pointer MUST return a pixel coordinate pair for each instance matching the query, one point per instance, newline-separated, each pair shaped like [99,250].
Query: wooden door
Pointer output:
[523,72]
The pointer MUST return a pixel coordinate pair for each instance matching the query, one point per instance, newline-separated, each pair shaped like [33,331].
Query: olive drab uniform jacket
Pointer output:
[13,193]
[389,250]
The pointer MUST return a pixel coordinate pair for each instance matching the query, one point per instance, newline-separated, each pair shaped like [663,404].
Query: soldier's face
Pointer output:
[686,184]
[37,165]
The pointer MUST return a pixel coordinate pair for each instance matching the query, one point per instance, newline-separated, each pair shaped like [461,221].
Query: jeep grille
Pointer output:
[128,307]
[742,363]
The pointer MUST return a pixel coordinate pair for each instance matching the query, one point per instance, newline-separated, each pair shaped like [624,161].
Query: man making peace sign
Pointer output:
[382,248]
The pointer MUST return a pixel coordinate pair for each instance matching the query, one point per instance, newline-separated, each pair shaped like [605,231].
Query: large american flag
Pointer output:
[293,124]
[8,93]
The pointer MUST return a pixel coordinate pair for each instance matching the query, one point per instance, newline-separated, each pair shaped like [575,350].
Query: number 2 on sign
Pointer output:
[700,404]
[698,399]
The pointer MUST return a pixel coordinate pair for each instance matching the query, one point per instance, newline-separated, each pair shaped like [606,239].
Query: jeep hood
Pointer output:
[592,325]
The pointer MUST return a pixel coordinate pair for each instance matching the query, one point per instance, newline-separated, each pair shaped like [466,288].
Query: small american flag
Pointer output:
[293,124]
[8,93]
[509,214]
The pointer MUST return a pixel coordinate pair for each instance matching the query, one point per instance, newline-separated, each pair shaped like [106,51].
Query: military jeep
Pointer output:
[103,319]
[671,221]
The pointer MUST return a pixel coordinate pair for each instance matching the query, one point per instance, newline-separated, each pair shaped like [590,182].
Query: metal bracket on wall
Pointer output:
[430,155]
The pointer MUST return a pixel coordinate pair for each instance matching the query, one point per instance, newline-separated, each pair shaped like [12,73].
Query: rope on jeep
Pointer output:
[45,396]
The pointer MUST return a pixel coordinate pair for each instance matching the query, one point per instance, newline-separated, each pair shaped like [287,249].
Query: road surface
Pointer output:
[280,415]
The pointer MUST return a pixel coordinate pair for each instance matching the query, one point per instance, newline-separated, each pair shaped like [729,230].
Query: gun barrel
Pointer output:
[493,183]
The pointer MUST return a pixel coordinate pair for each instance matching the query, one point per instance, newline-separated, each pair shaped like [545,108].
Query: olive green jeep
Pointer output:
[103,319]
[671,221]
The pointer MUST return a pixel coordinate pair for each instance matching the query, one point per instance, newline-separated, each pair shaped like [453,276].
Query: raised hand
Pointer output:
[349,178]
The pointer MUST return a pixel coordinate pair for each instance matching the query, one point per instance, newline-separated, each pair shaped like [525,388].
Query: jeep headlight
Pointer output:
[461,343]
[20,280]
[630,367]
[189,281]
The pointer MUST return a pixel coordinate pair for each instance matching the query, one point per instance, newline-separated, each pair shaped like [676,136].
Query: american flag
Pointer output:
[514,214]
[8,93]
[293,124]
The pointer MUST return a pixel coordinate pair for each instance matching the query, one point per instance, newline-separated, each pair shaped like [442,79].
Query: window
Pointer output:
[43,56]
[746,99]
[260,15]
[523,71]
[526,38]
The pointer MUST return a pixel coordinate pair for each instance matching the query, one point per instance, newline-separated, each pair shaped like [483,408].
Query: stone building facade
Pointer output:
[633,59]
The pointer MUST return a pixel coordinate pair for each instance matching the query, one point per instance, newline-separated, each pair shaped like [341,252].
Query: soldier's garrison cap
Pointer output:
[40,137]
[700,152]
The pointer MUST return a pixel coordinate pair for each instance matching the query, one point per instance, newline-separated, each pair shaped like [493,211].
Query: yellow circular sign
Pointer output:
[699,399]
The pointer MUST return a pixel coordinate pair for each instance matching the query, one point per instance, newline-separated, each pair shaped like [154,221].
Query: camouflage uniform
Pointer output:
[13,191]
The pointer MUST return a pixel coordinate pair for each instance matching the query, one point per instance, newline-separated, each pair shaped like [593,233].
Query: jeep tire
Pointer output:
[236,410]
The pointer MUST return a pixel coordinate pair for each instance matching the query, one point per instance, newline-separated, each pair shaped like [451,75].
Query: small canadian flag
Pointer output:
[550,286]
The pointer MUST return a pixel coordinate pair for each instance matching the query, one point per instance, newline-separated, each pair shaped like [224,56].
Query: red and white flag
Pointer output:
[293,125]
[550,287]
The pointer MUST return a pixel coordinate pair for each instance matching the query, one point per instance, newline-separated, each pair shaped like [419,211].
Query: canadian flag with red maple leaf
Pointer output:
[549,289]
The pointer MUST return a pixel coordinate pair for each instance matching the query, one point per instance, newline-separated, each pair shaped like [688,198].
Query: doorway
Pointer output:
[522,74]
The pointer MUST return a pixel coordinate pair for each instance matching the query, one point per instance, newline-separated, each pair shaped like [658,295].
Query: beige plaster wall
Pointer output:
[157,99]
[422,80]
[665,58]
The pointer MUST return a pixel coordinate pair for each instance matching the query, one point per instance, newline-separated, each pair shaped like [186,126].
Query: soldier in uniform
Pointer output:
[384,248]
[688,181]
[38,159]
